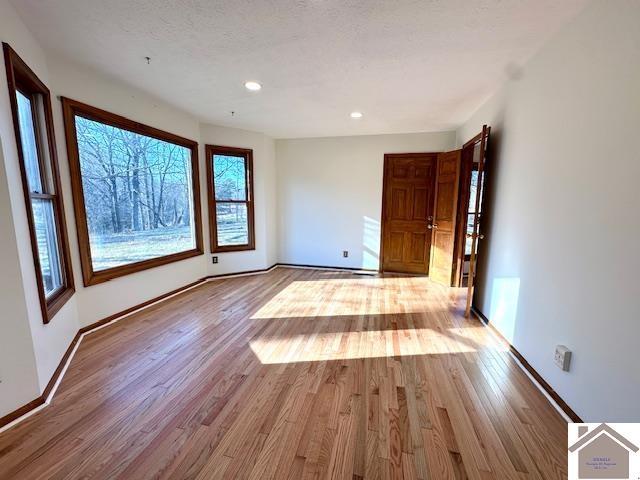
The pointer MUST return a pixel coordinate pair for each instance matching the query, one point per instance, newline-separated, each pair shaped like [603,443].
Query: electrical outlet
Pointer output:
[345,253]
[214,259]
[563,357]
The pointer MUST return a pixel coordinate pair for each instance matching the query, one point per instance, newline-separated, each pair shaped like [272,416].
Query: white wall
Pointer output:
[330,195]
[26,364]
[562,264]
[29,350]
[264,184]
[18,370]
[80,83]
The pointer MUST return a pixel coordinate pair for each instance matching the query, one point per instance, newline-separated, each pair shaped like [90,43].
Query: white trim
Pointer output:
[64,370]
[234,275]
[330,269]
[544,392]
[117,319]
[22,417]
[535,382]
[75,349]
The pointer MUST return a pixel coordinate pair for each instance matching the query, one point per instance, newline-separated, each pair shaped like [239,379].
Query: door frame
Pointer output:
[384,192]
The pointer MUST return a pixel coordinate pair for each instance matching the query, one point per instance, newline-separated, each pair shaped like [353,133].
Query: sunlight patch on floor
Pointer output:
[323,346]
[350,296]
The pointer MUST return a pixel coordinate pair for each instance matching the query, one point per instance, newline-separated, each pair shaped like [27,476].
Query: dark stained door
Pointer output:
[444,217]
[476,235]
[407,211]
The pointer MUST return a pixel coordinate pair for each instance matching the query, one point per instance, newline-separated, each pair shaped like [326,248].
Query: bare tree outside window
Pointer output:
[230,185]
[137,194]
[229,174]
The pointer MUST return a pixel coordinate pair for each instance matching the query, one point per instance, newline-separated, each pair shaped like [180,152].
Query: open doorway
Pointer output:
[419,211]
[432,208]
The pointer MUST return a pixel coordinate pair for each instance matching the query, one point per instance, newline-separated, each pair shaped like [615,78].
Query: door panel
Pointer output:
[400,171]
[400,206]
[423,172]
[396,242]
[420,203]
[445,201]
[418,253]
[444,216]
[406,209]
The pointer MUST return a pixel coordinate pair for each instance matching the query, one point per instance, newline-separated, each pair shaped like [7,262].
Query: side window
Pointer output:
[33,123]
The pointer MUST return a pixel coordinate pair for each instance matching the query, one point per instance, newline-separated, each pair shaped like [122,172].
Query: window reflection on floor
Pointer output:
[366,317]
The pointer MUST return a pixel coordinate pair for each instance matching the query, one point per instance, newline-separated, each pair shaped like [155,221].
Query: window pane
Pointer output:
[233,228]
[28,141]
[481,193]
[47,239]
[469,240]
[473,191]
[138,195]
[467,246]
[229,177]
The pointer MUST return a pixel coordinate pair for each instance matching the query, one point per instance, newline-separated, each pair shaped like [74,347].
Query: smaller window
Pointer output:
[230,187]
[33,124]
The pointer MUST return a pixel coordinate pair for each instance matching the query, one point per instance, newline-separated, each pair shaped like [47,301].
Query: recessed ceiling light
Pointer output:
[356,114]
[253,86]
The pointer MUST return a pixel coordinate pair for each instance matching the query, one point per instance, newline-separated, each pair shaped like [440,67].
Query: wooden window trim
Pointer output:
[21,78]
[71,108]
[247,153]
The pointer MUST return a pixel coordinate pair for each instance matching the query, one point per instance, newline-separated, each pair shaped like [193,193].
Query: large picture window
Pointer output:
[136,193]
[33,123]
[230,187]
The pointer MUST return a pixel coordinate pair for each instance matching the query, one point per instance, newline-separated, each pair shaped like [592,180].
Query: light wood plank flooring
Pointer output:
[294,374]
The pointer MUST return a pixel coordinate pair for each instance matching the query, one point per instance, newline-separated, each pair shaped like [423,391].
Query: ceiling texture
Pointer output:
[409,66]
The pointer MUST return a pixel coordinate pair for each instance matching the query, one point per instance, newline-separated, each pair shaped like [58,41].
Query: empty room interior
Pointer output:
[316,239]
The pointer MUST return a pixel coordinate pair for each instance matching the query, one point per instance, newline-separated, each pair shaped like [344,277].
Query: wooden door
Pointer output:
[407,207]
[476,234]
[444,217]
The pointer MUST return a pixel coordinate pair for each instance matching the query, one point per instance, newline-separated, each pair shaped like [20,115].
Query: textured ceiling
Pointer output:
[409,66]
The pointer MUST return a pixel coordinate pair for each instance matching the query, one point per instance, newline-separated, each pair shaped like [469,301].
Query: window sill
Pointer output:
[233,248]
[94,278]
[54,305]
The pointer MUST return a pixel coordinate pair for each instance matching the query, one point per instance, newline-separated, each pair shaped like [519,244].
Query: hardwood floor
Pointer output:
[294,374]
